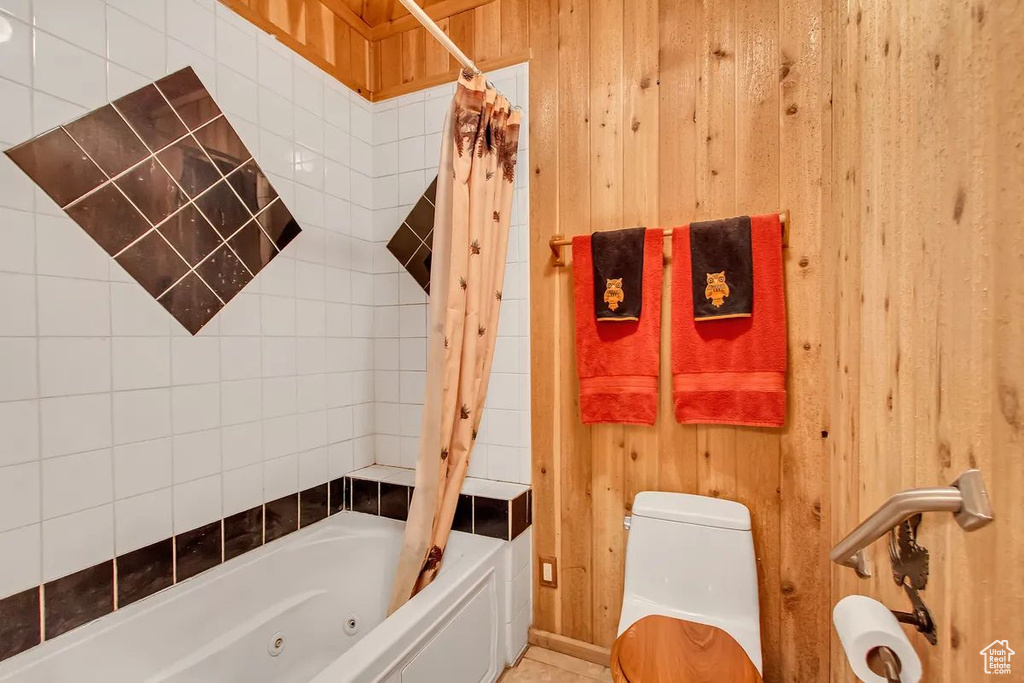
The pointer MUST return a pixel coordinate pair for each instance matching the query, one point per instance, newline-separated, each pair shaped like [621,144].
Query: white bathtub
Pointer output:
[322,594]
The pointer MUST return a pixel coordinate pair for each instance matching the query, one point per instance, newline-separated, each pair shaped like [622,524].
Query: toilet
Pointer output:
[692,558]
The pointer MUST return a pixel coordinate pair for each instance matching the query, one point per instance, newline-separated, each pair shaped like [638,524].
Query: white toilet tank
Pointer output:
[692,557]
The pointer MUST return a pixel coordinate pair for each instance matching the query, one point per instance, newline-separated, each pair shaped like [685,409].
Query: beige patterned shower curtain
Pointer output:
[471,226]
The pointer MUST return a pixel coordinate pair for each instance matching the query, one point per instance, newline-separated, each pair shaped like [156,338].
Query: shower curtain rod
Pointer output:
[441,36]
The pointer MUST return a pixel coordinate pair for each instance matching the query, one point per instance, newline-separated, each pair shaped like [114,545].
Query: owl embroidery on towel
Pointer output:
[613,295]
[717,290]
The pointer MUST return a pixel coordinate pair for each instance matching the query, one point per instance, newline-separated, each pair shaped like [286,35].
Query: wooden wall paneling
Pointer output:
[607,440]
[390,61]
[805,154]
[342,50]
[487,31]
[515,26]
[757,191]
[677,201]
[640,130]
[413,54]
[573,140]
[547,297]
[319,29]
[436,59]
[462,30]
[362,65]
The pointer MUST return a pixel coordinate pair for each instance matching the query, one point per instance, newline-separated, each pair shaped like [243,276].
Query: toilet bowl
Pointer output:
[692,558]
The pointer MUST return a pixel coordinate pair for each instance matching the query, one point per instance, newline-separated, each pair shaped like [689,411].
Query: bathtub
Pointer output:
[309,607]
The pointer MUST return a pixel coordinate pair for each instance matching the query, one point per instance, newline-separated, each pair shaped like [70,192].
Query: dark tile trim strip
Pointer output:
[44,612]
[481,515]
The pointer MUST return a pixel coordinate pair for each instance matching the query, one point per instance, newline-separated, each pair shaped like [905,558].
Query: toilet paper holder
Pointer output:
[885,662]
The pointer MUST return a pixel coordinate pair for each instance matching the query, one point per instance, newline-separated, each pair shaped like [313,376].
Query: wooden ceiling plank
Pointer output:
[440,10]
[349,17]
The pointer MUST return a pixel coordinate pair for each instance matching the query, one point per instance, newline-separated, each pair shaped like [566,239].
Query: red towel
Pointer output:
[731,371]
[617,361]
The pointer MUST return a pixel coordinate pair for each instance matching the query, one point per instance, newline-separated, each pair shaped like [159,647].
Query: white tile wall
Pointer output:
[406,139]
[118,427]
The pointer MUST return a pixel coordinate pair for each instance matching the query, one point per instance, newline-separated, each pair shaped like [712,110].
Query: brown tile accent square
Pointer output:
[197,550]
[58,166]
[312,505]
[145,571]
[253,246]
[243,532]
[282,517]
[421,218]
[520,513]
[365,496]
[109,218]
[191,234]
[223,209]
[190,98]
[278,223]
[463,520]
[19,623]
[192,303]
[105,136]
[404,244]
[224,273]
[490,517]
[152,190]
[338,497]
[78,598]
[188,164]
[223,144]
[394,501]
[153,263]
[149,115]
[252,186]
[419,267]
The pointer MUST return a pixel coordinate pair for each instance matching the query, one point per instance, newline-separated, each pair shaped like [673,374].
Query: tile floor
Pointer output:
[544,666]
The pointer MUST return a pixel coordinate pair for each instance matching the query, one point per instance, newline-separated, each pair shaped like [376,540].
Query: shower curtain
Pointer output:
[471,226]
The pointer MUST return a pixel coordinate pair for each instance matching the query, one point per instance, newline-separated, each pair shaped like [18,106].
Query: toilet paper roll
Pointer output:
[864,624]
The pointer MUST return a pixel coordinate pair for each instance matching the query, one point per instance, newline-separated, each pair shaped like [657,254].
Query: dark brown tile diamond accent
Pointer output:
[197,550]
[252,186]
[153,263]
[253,246]
[190,98]
[312,505]
[19,623]
[105,136]
[225,274]
[188,164]
[149,115]
[140,163]
[223,144]
[412,241]
[223,209]
[191,234]
[152,190]
[145,571]
[58,166]
[78,598]
[109,218]
[279,224]
[282,517]
[243,532]
[191,302]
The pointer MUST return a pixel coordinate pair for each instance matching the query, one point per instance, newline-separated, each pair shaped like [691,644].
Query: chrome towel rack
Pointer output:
[966,498]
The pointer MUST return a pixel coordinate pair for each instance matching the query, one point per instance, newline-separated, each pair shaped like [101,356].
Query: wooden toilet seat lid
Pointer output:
[659,649]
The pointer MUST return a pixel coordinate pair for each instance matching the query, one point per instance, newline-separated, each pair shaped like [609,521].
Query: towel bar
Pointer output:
[966,498]
[558,241]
